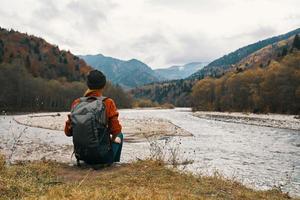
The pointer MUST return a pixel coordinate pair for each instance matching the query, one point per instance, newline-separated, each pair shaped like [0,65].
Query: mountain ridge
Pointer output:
[220,65]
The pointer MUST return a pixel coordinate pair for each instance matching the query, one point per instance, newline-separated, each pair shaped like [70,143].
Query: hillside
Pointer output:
[266,81]
[221,65]
[264,56]
[180,72]
[128,74]
[38,76]
[40,58]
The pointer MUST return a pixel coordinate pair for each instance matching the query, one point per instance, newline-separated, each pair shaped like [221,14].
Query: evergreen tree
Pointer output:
[1,50]
[296,43]
[284,51]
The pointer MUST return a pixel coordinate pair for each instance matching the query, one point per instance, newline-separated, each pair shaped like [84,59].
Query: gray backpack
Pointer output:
[91,136]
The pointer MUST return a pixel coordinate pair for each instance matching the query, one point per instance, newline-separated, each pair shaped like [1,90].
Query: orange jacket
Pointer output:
[111,112]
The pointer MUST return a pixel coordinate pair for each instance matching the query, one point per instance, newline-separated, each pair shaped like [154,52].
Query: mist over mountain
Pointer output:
[180,72]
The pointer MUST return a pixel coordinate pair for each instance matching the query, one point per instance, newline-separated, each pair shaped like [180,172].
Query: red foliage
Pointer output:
[41,58]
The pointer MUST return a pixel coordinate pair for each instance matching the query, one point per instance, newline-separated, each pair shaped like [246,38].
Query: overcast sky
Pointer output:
[158,32]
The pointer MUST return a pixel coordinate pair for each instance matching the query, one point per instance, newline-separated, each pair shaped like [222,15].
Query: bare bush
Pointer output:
[168,150]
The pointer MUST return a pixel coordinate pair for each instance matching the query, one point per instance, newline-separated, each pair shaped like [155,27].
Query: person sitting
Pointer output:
[94,124]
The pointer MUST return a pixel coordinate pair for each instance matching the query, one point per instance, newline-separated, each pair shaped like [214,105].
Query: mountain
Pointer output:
[128,74]
[180,72]
[219,66]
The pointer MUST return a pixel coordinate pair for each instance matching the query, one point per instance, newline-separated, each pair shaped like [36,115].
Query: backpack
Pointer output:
[91,136]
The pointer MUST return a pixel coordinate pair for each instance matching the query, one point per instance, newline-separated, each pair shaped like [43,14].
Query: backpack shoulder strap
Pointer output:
[102,98]
[83,99]
[104,116]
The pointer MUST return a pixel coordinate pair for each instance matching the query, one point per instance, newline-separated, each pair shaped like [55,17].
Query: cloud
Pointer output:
[258,33]
[47,10]
[158,32]
[194,47]
[90,13]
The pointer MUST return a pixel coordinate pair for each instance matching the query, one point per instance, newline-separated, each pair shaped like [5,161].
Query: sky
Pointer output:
[160,33]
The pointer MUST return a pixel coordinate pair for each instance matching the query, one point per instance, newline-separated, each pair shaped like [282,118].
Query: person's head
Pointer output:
[96,80]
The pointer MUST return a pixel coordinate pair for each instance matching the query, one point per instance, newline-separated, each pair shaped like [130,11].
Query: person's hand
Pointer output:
[117,140]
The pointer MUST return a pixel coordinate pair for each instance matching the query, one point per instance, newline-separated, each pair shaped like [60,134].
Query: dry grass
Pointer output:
[147,103]
[140,180]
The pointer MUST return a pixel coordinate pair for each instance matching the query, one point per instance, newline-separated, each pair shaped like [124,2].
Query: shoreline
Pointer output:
[266,120]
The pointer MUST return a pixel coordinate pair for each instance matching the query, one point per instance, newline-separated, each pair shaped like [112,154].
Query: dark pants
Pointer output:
[117,149]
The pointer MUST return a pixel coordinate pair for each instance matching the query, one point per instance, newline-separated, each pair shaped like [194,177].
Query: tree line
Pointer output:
[22,92]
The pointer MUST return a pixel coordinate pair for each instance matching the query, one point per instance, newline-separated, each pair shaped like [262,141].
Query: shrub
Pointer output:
[144,103]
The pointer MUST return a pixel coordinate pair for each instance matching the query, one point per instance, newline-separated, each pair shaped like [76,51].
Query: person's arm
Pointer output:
[113,118]
[68,126]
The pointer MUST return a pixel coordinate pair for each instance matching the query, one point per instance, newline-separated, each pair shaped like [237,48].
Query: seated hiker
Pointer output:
[94,124]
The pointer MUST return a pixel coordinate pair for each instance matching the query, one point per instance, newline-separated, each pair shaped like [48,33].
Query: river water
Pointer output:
[260,157]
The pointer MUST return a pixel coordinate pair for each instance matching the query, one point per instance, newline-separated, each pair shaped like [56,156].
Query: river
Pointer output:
[260,157]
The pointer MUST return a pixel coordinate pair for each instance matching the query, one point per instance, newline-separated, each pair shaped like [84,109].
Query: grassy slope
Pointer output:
[140,180]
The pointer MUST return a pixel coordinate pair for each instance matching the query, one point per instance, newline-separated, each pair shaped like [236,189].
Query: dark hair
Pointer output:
[96,80]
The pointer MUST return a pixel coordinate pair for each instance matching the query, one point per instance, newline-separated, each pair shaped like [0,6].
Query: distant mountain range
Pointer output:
[219,66]
[180,72]
[128,74]
[133,73]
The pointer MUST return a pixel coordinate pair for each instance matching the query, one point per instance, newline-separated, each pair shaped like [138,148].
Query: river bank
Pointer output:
[268,120]
[257,156]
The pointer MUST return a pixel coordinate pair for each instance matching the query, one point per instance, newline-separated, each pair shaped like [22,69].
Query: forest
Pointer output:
[176,92]
[21,92]
[275,89]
